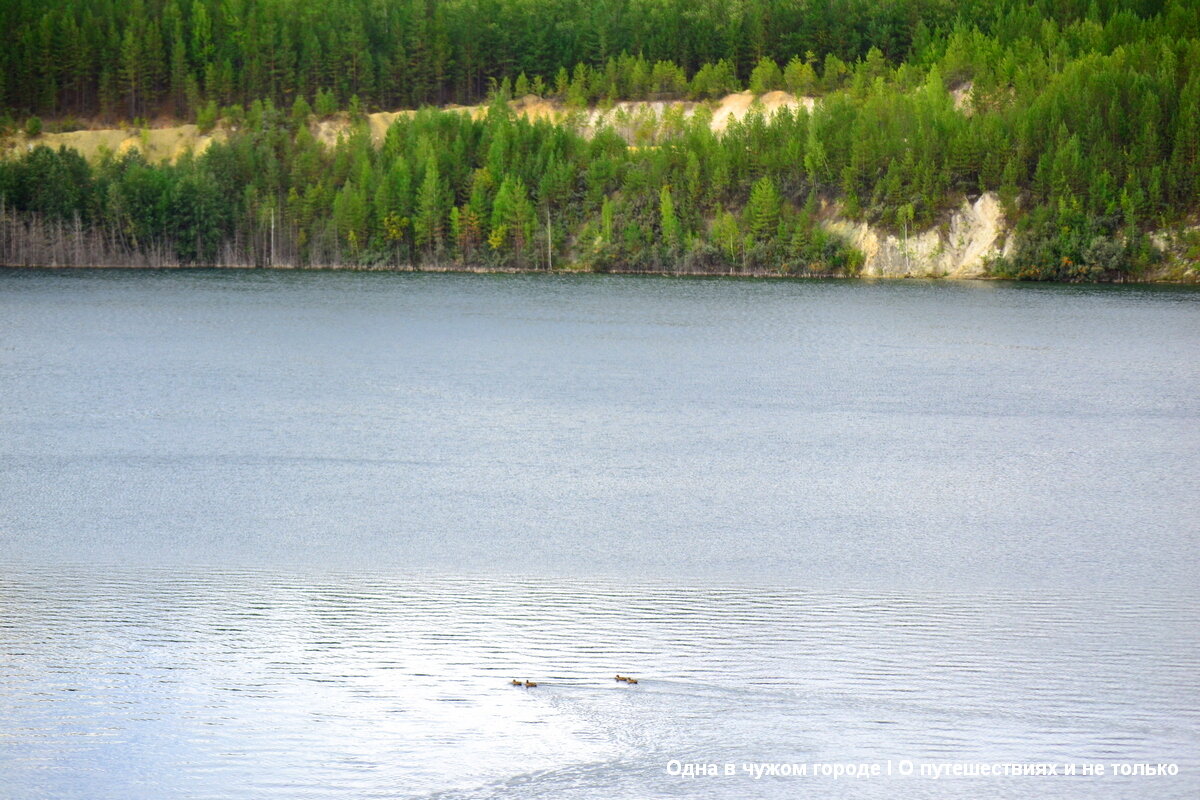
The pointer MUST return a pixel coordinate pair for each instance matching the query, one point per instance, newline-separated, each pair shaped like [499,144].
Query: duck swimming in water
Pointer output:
[529,684]
[631,680]
[516,682]
[622,678]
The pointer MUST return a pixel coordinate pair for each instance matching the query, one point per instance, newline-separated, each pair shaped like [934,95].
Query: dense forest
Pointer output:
[142,57]
[1083,117]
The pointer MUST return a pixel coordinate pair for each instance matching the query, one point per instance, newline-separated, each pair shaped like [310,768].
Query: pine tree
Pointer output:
[133,74]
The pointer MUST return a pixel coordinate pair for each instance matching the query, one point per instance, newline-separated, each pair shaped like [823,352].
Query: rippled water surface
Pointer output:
[291,535]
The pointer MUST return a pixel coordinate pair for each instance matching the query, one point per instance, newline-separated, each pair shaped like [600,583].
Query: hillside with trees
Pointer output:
[1083,118]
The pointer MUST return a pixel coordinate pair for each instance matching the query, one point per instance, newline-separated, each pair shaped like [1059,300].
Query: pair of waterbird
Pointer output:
[528,684]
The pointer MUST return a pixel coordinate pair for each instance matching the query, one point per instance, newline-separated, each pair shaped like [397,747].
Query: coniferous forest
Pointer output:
[1081,116]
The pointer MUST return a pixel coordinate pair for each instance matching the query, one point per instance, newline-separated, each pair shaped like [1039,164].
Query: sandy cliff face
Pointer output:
[976,232]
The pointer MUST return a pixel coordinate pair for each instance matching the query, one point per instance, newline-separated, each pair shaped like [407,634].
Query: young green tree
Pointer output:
[726,235]
[766,76]
[763,209]
[429,223]
[668,223]
[326,104]
[799,78]
[350,215]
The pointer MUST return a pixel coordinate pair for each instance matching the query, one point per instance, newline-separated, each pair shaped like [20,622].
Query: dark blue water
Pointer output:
[281,535]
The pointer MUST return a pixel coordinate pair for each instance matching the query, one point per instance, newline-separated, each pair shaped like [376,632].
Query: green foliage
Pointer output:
[429,219]
[799,77]
[512,219]
[350,215]
[1064,244]
[196,215]
[834,73]
[33,127]
[57,184]
[714,80]
[667,80]
[763,209]
[301,111]
[668,222]
[814,251]
[146,57]
[206,117]
[726,236]
[67,124]
[766,77]
[326,103]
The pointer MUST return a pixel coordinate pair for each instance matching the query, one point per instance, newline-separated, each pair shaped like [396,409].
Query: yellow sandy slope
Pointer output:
[157,144]
[638,121]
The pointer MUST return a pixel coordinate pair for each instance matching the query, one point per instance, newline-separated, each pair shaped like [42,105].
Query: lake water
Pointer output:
[289,535]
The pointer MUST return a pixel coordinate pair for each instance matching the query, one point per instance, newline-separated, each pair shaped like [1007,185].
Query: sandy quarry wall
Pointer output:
[156,144]
[637,120]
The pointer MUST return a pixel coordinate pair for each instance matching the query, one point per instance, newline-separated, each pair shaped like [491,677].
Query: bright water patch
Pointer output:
[263,685]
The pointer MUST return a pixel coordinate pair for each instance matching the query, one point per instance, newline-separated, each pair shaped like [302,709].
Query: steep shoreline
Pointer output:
[958,249]
[961,246]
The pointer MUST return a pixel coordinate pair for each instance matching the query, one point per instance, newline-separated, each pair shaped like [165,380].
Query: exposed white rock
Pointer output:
[962,97]
[975,233]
